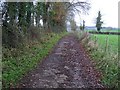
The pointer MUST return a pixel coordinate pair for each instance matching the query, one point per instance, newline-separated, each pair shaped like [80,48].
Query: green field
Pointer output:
[106,57]
[110,40]
[110,30]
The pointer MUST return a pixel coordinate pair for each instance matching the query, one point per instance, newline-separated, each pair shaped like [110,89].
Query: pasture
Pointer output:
[110,40]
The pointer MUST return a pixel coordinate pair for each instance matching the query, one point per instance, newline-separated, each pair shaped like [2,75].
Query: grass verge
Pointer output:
[103,49]
[16,62]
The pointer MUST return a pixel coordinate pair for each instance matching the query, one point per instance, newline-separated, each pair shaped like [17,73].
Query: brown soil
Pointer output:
[68,66]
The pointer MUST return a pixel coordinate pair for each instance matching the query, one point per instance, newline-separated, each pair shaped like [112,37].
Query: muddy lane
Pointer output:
[68,66]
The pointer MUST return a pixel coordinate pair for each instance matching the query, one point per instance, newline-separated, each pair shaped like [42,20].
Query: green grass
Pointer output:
[111,40]
[106,57]
[103,49]
[16,63]
[110,30]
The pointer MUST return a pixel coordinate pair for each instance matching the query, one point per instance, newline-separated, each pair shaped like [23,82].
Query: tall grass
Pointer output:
[103,49]
[107,57]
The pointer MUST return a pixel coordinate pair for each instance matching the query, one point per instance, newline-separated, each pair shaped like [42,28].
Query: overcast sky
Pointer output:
[109,11]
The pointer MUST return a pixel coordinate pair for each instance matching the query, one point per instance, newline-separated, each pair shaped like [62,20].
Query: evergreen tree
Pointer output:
[99,22]
[83,24]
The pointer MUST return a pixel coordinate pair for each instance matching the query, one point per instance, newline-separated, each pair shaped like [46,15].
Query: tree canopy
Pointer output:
[19,17]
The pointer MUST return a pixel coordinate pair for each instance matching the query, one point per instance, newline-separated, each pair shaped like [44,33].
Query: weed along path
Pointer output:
[68,66]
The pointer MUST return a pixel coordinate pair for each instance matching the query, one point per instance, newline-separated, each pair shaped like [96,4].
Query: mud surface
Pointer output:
[68,66]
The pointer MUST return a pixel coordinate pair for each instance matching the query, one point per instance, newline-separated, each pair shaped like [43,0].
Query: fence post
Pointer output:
[106,46]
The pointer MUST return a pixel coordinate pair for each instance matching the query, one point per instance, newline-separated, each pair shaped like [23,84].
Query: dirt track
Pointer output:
[68,66]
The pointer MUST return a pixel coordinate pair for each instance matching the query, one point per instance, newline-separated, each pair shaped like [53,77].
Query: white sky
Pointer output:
[109,11]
